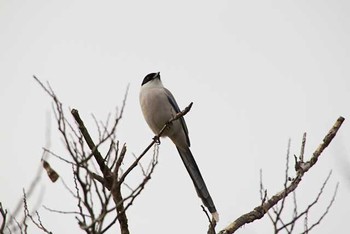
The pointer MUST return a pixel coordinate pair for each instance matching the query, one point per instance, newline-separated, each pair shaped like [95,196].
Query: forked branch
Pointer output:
[259,211]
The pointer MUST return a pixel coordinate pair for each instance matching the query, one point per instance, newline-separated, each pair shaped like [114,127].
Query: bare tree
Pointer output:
[103,185]
[101,188]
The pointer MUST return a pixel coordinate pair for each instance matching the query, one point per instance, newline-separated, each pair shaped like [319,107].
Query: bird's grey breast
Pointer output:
[156,108]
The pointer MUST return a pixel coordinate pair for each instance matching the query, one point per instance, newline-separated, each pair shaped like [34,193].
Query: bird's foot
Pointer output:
[156,140]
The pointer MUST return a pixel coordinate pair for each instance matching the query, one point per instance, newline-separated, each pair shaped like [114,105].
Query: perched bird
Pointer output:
[159,106]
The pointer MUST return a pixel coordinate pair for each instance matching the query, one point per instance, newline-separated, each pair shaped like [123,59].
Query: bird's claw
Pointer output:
[156,140]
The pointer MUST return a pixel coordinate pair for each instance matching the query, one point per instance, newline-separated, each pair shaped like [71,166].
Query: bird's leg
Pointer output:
[166,127]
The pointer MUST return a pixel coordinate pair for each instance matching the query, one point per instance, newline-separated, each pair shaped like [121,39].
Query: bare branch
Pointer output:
[308,208]
[3,214]
[261,210]
[279,211]
[302,150]
[63,212]
[33,185]
[326,211]
[97,155]
[38,223]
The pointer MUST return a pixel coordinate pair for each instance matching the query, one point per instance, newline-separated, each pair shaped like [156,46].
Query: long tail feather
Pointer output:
[197,180]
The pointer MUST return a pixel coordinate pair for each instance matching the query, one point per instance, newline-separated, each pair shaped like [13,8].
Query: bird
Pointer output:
[158,106]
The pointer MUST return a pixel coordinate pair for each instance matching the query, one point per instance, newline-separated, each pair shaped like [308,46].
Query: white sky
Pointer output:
[258,72]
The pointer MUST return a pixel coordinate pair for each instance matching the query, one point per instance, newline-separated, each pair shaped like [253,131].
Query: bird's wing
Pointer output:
[177,109]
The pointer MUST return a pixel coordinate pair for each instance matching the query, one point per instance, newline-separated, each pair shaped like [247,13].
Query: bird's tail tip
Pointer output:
[215,216]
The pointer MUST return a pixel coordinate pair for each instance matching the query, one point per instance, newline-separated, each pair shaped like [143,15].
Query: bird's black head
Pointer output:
[150,77]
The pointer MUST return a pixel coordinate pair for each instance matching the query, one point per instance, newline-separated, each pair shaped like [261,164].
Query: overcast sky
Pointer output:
[258,72]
